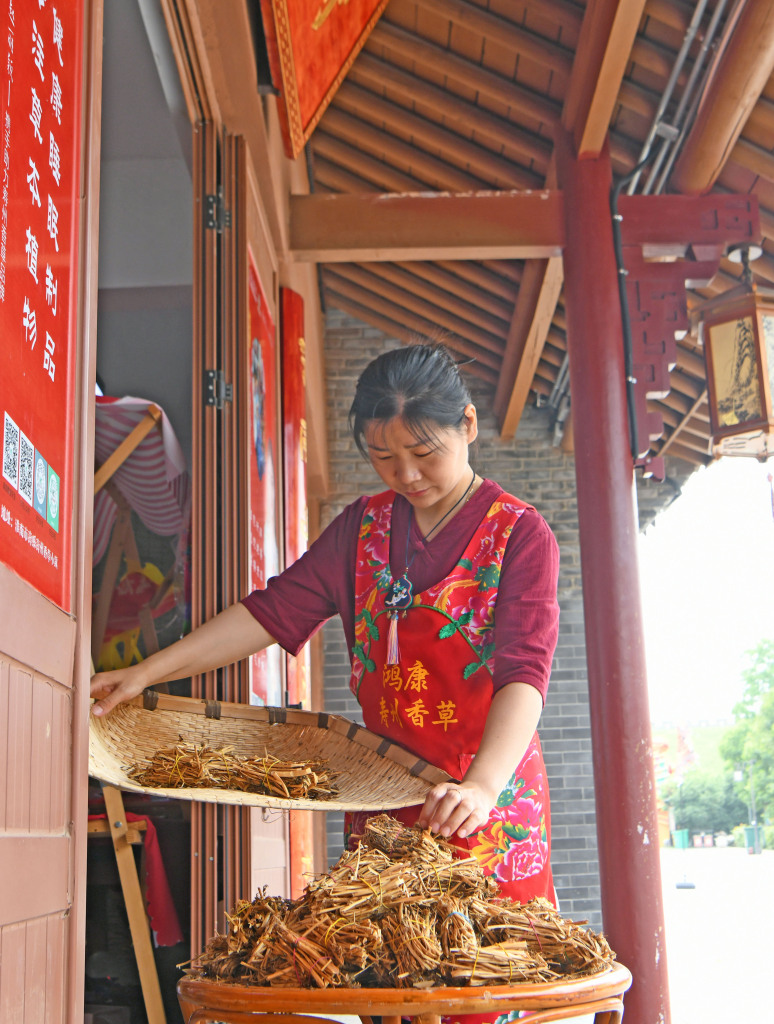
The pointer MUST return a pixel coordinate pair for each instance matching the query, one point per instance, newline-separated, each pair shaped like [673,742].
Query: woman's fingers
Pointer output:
[112,689]
[451,809]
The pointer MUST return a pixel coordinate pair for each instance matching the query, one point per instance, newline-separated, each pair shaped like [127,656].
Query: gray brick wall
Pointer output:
[537,472]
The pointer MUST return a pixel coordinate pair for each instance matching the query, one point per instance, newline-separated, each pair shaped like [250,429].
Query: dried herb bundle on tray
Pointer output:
[400,911]
[188,765]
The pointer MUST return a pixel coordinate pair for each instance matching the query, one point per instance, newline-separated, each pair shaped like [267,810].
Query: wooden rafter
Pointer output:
[538,296]
[606,38]
[465,96]
[742,72]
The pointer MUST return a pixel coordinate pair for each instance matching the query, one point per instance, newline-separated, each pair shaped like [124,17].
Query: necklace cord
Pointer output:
[431,531]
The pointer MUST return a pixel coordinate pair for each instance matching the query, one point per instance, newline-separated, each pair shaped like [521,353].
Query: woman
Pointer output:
[446,587]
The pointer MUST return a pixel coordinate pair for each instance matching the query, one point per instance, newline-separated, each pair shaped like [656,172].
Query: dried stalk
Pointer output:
[401,910]
[189,765]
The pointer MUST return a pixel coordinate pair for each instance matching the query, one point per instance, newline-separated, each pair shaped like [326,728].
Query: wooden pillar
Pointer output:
[630,871]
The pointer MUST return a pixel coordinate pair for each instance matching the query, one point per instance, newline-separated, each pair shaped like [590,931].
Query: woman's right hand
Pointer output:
[113,688]
[230,636]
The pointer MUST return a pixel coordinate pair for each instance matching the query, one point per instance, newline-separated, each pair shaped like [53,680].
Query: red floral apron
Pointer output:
[435,700]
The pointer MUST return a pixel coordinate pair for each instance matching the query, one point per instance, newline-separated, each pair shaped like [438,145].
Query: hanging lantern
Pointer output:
[737,330]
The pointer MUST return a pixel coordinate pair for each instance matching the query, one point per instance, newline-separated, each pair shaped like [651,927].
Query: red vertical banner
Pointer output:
[294,458]
[265,469]
[40,113]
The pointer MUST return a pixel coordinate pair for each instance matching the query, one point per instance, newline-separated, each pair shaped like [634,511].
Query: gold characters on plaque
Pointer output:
[324,12]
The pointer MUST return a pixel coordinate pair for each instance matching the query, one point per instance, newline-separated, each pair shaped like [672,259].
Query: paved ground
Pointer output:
[719,935]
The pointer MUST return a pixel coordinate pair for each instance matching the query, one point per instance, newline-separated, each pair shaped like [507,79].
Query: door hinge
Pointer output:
[216,391]
[217,217]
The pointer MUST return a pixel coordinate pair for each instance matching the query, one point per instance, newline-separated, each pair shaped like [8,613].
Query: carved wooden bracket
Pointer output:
[671,243]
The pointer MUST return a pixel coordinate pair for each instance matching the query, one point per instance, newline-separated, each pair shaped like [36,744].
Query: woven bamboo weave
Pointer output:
[371,773]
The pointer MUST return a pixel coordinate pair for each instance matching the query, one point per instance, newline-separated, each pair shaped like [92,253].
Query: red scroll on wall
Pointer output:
[40,109]
[294,452]
[264,469]
[312,44]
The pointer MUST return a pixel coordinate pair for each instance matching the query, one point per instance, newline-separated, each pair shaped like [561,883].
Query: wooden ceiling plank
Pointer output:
[702,446]
[639,100]
[519,98]
[540,286]
[464,116]
[761,119]
[528,45]
[404,275]
[690,363]
[552,356]
[740,76]
[755,158]
[436,173]
[480,225]
[509,269]
[454,285]
[406,325]
[456,150]
[689,422]
[384,177]
[401,298]
[336,178]
[679,451]
[492,281]
[671,13]
[606,39]
[656,59]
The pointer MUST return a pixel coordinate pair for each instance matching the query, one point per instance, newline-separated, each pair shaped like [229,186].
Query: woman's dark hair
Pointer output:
[420,383]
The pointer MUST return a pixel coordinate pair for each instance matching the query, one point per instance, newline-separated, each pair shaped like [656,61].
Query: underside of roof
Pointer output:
[463,96]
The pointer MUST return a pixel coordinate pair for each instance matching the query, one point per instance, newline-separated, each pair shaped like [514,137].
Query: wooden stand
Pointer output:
[124,835]
[600,994]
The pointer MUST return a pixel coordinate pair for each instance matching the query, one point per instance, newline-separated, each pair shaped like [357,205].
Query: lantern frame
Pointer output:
[737,332]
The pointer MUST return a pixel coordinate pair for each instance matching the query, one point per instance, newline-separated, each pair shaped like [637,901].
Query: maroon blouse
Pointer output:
[295,604]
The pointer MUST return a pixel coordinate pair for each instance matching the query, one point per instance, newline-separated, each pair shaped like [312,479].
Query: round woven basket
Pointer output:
[371,773]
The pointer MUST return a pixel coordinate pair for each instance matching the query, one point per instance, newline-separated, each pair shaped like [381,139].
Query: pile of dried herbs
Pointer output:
[189,765]
[400,911]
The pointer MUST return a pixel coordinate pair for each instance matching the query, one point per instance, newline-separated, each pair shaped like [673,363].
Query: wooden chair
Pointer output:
[600,994]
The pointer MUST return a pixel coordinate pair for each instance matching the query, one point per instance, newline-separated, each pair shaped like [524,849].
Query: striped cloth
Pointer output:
[154,479]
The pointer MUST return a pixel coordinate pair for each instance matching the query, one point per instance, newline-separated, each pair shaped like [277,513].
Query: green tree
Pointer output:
[749,743]
[706,802]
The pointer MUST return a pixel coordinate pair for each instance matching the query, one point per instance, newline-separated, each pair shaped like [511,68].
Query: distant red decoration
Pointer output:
[312,44]
[264,472]
[294,459]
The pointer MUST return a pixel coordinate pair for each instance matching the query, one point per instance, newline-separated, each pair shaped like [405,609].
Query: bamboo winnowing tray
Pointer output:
[371,772]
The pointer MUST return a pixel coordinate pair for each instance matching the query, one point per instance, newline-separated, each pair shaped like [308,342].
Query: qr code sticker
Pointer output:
[26,467]
[11,451]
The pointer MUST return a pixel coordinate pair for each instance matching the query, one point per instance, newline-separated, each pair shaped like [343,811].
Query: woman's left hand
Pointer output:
[456,808]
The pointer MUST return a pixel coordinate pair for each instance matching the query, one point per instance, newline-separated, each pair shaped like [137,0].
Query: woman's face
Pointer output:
[432,475]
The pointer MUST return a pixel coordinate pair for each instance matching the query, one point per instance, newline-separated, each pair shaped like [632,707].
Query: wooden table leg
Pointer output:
[135,906]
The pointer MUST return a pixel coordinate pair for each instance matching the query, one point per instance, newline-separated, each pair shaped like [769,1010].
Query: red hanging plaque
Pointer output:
[311,45]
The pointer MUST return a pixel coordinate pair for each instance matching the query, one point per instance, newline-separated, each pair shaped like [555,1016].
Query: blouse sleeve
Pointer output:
[527,610]
[295,604]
